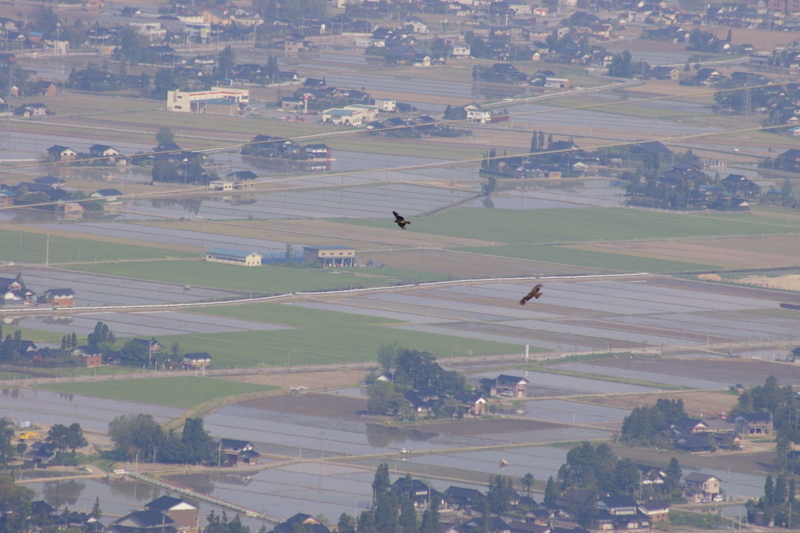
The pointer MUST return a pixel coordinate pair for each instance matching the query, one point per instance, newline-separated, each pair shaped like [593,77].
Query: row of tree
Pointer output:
[142,437]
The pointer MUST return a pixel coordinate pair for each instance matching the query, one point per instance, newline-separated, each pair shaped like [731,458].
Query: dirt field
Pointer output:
[725,253]
[315,381]
[697,404]
[745,462]
[748,372]
[321,405]
[464,265]
[787,283]
[473,428]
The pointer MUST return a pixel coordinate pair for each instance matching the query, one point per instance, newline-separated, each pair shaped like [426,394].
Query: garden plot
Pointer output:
[148,324]
[653,377]
[545,384]
[566,412]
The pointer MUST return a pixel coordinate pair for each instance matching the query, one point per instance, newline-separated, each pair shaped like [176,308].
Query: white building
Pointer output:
[351,115]
[389,106]
[476,114]
[151,30]
[460,51]
[233,257]
[195,101]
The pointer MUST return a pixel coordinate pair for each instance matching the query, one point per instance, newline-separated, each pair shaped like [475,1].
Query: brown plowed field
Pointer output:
[321,405]
[699,252]
[696,404]
[463,265]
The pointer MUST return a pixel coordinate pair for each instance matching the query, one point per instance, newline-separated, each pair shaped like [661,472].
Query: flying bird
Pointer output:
[535,293]
[400,221]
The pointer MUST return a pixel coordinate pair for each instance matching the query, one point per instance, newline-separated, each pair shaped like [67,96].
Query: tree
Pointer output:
[781,490]
[386,516]
[408,515]
[58,436]
[379,397]
[135,353]
[200,448]
[366,522]
[550,491]
[387,356]
[501,490]
[626,476]
[430,518]
[527,483]
[101,338]
[381,481]
[75,438]
[6,438]
[135,435]
[225,63]
[163,82]
[769,492]
[164,135]
[165,171]
[96,511]
[672,476]
[346,524]
[787,188]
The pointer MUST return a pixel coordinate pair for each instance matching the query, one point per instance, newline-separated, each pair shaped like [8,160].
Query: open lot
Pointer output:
[184,391]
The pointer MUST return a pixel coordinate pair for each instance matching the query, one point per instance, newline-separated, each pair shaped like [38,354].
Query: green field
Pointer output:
[261,280]
[32,248]
[320,337]
[549,226]
[185,391]
[589,258]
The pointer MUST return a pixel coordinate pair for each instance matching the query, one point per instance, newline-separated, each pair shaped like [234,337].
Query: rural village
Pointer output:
[382,266]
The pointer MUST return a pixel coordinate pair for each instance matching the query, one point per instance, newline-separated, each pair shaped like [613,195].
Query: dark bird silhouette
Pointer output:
[400,221]
[535,293]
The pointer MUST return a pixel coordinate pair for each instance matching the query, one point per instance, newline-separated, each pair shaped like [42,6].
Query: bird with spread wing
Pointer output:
[535,293]
[400,221]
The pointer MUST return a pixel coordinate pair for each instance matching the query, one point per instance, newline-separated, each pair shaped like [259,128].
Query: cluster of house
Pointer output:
[14,293]
[611,513]
[696,435]
[325,256]
[54,195]
[98,154]
[316,95]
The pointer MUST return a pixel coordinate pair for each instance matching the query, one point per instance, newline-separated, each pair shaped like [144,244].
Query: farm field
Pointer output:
[697,403]
[603,258]
[259,280]
[570,226]
[27,247]
[185,391]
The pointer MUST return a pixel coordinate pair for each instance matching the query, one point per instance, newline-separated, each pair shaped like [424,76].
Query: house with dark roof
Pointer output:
[104,151]
[62,154]
[689,426]
[650,147]
[301,522]
[41,453]
[461,498]
[474,404]
[14,293]
[183,514]
[754,423]
[109,195]
[617,505]
[238,451]
[416,490]
[656,510]
[701,487]
[741,186]
[505,385]
[147,521]
[701,442]
[91,356]
[51,181]
[60,297]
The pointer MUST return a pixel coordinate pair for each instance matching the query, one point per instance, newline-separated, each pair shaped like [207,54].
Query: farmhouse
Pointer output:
[196,360]
[183,513]
[233,257]
[91,356]
[301,522]
[351,115]
[14,292]
[701,487]
[60,297]
[473,404]
[103,150]
[143,522]
[330,255]
[62,154]
[238,451]
[503,385]
[198,101]
[656,510]
[754,423]
[109,195]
